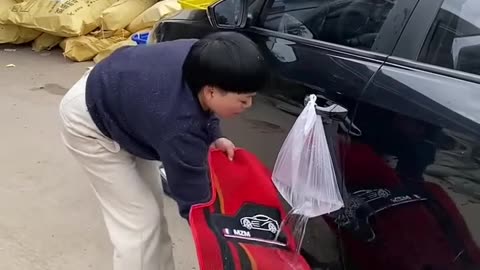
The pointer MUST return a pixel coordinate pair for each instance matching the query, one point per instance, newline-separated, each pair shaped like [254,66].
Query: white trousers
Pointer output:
[124,186]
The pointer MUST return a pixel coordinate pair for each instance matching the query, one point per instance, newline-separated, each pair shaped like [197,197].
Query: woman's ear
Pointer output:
[207,92]
[212,91]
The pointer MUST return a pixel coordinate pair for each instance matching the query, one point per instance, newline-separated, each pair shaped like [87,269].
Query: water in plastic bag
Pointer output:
[304,172]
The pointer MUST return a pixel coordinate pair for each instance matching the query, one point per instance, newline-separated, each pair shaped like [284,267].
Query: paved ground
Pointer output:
[49,217]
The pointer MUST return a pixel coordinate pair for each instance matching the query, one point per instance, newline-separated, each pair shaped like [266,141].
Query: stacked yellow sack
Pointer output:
[66,18]
[70,23]
[121,13]
[116,17]
[108,51]
[85,48]
[128,42]
[46,42]
[150,16]
[16,35]
[10,33]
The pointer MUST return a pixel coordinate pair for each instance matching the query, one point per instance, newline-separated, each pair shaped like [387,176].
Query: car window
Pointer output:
[354,23]
[254,7]
[454,38]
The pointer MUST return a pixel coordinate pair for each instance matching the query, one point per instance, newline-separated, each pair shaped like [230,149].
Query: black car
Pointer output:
[408,72]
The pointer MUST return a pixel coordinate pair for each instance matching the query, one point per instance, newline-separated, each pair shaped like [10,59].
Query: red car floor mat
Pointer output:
[237,229]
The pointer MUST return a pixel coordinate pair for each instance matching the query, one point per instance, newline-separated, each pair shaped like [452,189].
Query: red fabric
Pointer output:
[245,180]
[208,252]
[408,237]
[274,259]
[236,257]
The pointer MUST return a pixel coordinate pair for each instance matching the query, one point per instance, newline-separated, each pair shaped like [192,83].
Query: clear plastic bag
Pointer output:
[304,171]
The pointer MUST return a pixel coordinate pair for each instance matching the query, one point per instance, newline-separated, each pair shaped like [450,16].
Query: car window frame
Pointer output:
[254,11]
[416,32]
[379,52]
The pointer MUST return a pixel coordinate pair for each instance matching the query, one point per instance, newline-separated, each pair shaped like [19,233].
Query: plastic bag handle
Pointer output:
[334,112]
[311,116]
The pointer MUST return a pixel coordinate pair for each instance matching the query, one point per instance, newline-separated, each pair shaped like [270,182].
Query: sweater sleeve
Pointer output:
[214,129]
[185,159]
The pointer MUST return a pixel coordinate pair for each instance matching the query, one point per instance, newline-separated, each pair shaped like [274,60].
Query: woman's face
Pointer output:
[227,104]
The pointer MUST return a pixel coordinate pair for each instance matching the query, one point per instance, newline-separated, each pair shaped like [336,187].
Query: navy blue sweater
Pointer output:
[138,98]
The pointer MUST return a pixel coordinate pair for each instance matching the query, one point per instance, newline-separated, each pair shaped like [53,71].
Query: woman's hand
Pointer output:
[226,146]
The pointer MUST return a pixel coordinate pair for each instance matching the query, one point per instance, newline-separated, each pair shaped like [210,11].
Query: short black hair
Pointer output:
[228,60]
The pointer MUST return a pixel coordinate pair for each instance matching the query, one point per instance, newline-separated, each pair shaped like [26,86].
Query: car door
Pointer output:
[331,48]
[420,123]
[294,36]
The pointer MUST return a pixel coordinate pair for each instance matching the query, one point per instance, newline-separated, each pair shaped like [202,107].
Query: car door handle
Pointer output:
[330,110]
[333,112]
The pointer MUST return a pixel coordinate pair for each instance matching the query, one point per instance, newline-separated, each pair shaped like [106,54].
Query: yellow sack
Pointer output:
[5,6]
[120,14]
[14,34]
[46,42]
[10,33]
[108,51]
[67,18]
[85,48]
[150,16]
[129,42]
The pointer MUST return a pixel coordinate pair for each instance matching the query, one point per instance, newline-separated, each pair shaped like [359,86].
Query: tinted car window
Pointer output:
[454,39]
[354,23]
[228,11]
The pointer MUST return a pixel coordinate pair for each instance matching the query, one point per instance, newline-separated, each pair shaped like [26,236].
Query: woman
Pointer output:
[150,103]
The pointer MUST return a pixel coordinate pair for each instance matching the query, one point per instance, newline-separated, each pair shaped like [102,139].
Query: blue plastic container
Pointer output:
[141,38]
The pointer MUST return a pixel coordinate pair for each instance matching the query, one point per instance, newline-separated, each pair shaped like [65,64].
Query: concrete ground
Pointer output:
[49,218]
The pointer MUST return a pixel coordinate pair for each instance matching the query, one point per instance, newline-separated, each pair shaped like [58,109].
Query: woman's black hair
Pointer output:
[227,60]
